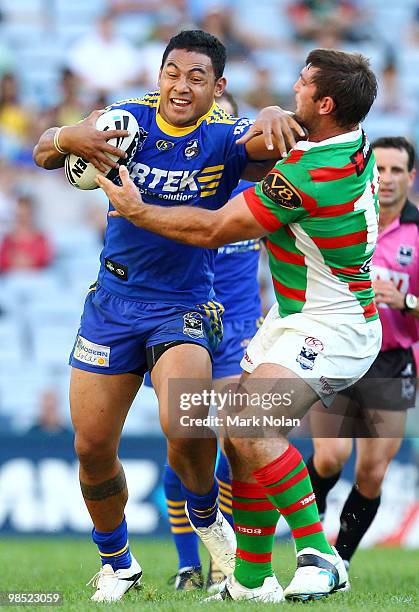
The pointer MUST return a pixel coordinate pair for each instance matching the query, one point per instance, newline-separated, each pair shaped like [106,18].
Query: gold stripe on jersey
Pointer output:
[205,194]
[212,185]
[151,99]
[209,177]
[219,115]
[210,169]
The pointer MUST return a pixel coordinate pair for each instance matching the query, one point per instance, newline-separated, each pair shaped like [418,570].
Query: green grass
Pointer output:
[382,579]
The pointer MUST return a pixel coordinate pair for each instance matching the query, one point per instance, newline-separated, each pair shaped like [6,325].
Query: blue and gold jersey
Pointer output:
[235,282]
[193,166]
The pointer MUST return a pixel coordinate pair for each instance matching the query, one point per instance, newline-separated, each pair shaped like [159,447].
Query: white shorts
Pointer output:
[327,353]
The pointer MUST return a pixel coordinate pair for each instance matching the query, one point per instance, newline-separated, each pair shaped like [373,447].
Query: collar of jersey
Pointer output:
[171,130]
[305,145]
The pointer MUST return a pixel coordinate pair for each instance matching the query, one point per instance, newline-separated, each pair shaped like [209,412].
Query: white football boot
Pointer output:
[111,585]
[317,575]
[220,541]
[270,592]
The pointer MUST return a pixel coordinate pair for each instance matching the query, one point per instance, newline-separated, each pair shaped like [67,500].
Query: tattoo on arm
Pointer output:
[105,489]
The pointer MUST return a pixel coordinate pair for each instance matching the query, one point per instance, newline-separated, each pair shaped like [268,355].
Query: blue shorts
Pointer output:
[115,332]
[236,337]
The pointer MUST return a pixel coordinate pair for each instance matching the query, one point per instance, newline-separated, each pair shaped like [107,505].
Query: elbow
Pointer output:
[37,157]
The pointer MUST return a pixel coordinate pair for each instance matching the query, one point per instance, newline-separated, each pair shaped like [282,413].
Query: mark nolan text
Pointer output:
[238,421]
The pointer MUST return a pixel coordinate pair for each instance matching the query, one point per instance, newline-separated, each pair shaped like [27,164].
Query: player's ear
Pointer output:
[412,175]
[327,105]
[220,86]
[159,77]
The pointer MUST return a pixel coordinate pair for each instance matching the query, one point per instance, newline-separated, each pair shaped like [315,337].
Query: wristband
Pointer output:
[56,143]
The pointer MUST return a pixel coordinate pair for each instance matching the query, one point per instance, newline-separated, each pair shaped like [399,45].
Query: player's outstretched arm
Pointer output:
[272,135]
[186,224]
[82,139]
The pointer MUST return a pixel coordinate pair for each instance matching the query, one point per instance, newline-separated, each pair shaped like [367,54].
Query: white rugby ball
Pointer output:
[81,173]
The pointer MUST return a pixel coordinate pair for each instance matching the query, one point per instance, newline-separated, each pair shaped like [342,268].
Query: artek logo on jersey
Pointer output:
[180,185]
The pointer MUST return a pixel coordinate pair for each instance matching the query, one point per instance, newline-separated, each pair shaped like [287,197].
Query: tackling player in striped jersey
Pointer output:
[318,209]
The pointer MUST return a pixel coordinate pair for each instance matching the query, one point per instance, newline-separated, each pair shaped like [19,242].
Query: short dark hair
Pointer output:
[199,42]
[348,79]
[397,142]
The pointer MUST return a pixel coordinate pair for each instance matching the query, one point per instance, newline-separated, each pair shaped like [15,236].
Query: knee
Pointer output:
[94,451]
[331,460]
[192,454]
[370,476]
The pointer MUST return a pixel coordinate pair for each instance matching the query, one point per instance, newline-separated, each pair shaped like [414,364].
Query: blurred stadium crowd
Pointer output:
[59,60]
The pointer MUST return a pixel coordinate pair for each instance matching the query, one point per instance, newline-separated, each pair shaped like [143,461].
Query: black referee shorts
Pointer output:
[389,384]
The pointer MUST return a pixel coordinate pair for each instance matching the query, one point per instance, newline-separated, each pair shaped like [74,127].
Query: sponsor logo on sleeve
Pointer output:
[276,187]
[193,325]
[91,353]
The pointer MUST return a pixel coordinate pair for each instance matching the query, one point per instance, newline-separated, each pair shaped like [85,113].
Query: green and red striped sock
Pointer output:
[255,519]
[287,485]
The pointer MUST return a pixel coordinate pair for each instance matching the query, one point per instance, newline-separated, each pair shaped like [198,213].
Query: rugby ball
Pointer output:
[81,173]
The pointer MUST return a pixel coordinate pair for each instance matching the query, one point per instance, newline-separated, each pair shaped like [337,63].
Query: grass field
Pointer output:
[382,579]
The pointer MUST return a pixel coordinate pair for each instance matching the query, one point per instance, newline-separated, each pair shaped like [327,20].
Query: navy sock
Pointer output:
[113,546]
[202,508]
[356,517]
[223,477]
[321,486]
[184,537]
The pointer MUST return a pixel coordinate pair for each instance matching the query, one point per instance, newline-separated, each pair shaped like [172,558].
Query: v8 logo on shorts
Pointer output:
[193,325]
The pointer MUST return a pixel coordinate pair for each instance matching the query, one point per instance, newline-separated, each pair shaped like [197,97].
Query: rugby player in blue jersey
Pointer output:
[159,314]
[237,288]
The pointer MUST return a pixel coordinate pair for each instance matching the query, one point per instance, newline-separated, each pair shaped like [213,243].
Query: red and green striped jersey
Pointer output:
[319,206]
